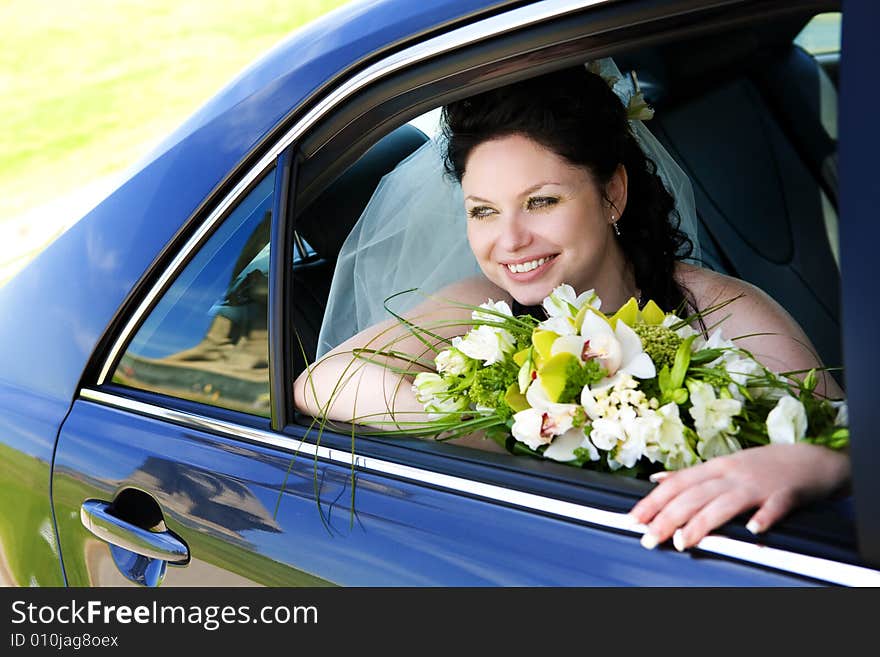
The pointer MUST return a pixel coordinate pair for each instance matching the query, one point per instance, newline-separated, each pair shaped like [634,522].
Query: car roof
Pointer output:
[58,307]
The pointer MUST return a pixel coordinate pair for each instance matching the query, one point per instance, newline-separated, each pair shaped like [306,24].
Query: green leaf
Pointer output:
[682,360]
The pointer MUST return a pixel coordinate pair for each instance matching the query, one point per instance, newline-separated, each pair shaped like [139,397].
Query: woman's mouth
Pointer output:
[528,269]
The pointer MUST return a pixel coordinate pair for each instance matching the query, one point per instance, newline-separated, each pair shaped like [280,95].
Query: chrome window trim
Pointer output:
[488,28]
[778,559]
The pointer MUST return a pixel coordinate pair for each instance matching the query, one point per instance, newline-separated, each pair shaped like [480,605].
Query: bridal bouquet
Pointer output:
[634,392]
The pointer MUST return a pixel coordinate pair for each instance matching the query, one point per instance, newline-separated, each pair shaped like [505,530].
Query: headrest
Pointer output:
[328,220]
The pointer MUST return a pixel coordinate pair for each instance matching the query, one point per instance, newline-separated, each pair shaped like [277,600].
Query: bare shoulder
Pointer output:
[710,287]
[752,318]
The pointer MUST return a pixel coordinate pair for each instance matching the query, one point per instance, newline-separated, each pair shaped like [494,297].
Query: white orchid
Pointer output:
[713,419]
[787,422]
[618,350]
[545,422]
[563,306]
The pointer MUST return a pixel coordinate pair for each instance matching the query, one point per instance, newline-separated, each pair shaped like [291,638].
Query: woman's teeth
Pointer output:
[523,267]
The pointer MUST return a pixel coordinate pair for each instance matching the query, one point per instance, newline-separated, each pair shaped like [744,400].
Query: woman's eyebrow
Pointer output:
[526,192]
[477,199]
[535,188]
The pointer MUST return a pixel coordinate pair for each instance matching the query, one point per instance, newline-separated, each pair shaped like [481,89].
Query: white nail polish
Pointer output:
[678,540]
[658,476]
[649,541]
[754,526]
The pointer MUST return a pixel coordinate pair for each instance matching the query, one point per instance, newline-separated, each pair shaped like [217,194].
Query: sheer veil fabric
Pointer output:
[412,234]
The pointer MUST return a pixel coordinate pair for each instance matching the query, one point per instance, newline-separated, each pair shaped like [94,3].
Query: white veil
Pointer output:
[412,234]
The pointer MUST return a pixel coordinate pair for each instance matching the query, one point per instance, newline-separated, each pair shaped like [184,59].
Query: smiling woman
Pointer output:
[559,193]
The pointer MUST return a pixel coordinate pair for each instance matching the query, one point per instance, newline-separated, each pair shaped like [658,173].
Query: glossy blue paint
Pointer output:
[401,534]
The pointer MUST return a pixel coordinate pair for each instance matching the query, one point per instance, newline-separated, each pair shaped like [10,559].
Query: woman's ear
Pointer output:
[615,193]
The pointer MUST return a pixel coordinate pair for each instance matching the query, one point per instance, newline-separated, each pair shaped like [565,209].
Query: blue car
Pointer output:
[147,428]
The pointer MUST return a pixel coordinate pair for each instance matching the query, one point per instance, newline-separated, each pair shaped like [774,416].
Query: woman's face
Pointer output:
[535,221]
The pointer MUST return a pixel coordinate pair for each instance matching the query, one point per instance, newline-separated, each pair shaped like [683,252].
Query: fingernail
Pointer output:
[754,526]
[649,541]
[658,476]
[678,540]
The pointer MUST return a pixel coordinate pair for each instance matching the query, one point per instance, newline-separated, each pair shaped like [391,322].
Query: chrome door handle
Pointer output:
[166,546]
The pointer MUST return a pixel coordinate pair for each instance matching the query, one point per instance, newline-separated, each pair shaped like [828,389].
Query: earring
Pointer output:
[615,226]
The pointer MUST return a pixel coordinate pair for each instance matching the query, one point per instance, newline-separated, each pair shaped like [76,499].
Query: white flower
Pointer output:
[527,428]
[428,385]
[563,302]
[562,448]
[563,306]
[497,306]
[637,431]
[787,422]
[605,434]
[721,444]
[544,421]
[683,332]
[486,343]
[452,361]
[433,393]
[669,445]
[624,438]
[618,350]
[713,419]
[743,370]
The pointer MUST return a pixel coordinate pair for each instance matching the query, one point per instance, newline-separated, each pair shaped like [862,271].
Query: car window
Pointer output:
[821,36]
[207,339]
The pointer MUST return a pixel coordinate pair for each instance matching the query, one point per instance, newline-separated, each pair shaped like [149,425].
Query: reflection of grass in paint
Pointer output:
[26,520]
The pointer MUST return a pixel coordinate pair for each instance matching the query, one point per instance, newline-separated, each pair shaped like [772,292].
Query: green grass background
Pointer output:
[87,87]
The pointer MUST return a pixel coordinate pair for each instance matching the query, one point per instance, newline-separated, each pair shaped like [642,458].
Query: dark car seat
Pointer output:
[748,119]
[326,222]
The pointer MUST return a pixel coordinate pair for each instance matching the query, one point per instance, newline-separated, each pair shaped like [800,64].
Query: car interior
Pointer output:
[751,117]
[748,115]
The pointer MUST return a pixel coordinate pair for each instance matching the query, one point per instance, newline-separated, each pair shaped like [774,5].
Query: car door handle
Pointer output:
[95,517]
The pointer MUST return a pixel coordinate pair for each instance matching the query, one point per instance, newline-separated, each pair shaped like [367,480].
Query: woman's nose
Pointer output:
[515,234]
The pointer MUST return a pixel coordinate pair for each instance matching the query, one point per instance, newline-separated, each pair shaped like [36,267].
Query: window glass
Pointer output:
[207,339]
[821,35]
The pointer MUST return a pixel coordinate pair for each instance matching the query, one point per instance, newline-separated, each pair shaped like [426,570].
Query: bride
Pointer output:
[556,187]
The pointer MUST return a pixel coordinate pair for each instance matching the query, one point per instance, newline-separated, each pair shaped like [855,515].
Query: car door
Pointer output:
[181,461]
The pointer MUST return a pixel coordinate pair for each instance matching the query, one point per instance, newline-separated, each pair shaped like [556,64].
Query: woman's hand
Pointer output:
[692,502]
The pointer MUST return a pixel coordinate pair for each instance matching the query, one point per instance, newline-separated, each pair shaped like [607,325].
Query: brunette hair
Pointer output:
[575,114]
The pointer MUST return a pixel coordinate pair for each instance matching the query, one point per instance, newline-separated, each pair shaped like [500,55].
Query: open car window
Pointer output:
[741,111]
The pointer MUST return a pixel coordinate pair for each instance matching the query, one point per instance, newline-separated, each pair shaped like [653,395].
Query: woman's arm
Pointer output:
[342,387]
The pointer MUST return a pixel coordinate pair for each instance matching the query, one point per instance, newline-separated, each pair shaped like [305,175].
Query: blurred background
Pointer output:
[87,87]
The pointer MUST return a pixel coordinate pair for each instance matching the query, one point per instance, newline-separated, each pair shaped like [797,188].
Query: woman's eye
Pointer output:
[480,212]
[541,202]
